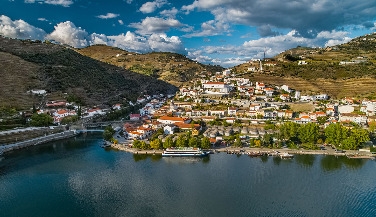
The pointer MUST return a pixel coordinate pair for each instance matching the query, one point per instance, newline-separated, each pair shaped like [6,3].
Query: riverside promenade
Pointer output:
[247,150]
[37,141]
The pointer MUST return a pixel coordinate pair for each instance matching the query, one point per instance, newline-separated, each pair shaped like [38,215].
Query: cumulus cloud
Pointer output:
[266,30]
[270,45]
[129,1]
[121,22]
[64,3]
[108,16]
[210,28]
[160,42]
[68,33]
[151,25]
[150,7]
[301,15]
[169,13]
[19,29]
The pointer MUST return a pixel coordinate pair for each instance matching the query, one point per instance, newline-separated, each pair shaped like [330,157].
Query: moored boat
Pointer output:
[286,155]
[184,152]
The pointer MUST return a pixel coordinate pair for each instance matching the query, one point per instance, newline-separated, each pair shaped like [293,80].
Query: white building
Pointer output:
[216,87]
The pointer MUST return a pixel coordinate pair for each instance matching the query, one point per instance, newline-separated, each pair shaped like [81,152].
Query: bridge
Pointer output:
[101,124]
[92,130]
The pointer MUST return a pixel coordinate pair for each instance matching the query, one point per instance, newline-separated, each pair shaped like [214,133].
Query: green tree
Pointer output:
[41,120]
[79,112]
[34,109]
[205,143]
[322,120]
[238,142]
[144,145]
[69,119]
[168,143]
[309,133]
[136,144]
[156,144]
[289,131]
[108,133]
[192,142]
[357,137]
[335,134]
[181,141]
[268,139]
[372,126]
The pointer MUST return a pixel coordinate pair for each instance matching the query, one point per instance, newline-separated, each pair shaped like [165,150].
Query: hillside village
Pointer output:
[221,105]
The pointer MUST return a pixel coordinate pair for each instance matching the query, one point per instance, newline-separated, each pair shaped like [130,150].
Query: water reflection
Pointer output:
[186,159]
[277,160]
[305,160]
[264,158]
[331,163]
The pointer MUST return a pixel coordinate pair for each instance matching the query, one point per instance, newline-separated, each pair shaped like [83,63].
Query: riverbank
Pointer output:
[246,150]
[37,141]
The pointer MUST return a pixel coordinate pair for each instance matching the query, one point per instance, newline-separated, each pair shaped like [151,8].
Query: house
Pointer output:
[269,91]
[260,86]
[173,120]
[56,103]
[356,118]
[216,87]
[230,120]
[231,111]
[269,114]
[116,107]
[284,97]
[95,111]
[169,129]
[254,107]
[219,113]
[134,117]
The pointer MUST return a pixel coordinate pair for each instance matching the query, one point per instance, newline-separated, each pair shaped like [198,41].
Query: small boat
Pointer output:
[255,154]
[106,144]
[286,155]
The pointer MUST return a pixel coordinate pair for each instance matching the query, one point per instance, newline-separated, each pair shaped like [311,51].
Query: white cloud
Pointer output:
[42,19]
[121,22]
[160,42]
[68,33]
[151,25]
[210,28]
[19,29]
[64,3]
[150,7]
[270,45]
[302,15]
[108,16]
[169,13]
[129,1]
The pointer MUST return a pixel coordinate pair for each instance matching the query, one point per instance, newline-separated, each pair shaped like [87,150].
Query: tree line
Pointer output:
[183,140]
[308,135]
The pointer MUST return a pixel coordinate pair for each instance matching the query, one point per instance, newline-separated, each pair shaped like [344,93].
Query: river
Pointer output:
[75,177]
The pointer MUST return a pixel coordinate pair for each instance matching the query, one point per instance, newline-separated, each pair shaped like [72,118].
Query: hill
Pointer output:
[343,70]
[170,67]
[64,73]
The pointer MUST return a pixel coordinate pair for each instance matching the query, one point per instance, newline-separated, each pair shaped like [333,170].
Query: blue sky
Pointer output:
[223,32]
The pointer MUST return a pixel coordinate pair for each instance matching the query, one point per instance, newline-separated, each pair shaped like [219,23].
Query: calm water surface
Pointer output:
[76,177]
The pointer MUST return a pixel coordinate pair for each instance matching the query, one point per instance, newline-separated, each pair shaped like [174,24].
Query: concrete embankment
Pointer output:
[122,147]
[37,141]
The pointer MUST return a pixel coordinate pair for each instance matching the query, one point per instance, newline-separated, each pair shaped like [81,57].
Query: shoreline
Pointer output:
[246,150]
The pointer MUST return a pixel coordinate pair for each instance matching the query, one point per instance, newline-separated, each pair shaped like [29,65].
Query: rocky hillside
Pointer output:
[170,67]
[64,73]
[343,70]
